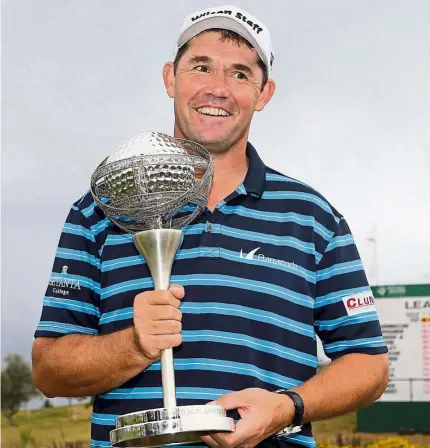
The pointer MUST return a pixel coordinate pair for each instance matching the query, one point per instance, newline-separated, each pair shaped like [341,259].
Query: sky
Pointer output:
[350,117]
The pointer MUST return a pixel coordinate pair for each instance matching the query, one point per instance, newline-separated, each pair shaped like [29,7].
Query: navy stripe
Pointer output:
[231,367]
[251,342]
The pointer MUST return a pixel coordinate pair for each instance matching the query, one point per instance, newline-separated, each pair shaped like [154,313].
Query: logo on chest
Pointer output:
[252,255]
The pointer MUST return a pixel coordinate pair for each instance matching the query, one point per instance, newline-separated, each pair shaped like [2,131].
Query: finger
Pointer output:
[167,327]
[228,439]
[158,298]
[165,312]
[243,435]
[210,441]
[177,290]
[167,341]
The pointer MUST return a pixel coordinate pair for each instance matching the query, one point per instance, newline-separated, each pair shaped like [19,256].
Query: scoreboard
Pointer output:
[404,314]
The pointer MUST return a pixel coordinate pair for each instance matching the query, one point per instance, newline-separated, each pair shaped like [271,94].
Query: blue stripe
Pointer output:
[248,313]
[301,197]
[75,229]
[78,255]
[122,262]
[223,337]
[59,327]
[335,297]
[117,315]
[88,211]
[104,419]
[368,316]
[101,225]
[214,280]
[130,285]
[340,241]
[188,208]
[302,440]
[354,343]
[100,444]
[231,367]
[339,269]
[241,189]
[70,304]
[281,178]
[190,393]
[114,240]
[303,220]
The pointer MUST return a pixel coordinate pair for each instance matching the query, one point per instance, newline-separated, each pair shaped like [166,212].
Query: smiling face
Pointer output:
[217,89]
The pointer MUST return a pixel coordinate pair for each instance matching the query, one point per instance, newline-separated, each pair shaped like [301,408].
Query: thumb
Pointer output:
[177,290]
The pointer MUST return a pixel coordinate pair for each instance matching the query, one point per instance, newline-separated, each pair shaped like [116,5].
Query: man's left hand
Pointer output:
[262,414]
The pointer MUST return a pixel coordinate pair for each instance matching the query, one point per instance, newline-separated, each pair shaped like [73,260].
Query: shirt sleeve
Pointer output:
[345,313]
[71,302]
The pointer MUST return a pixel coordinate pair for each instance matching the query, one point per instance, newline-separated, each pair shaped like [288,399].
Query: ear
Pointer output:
[169,79]
[265,95]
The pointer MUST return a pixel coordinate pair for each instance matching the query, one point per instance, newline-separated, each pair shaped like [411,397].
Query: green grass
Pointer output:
[53,427]
[45,426]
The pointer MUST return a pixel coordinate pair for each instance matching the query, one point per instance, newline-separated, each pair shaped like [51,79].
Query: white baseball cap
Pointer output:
[233,19]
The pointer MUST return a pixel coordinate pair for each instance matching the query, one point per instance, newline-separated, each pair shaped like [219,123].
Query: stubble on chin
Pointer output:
[216,146]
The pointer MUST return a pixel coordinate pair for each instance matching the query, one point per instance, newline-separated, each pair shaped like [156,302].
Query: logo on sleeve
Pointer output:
[61,284]
[359,303]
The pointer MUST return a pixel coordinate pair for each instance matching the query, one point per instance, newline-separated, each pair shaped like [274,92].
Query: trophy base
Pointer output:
[158,427]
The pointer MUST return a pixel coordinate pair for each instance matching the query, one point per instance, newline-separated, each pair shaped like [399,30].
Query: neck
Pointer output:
[232,164]
[230,168]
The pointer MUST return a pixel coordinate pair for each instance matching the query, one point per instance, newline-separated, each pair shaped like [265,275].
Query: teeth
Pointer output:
[212,111]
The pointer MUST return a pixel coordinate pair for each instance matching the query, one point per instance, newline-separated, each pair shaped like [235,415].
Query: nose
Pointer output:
[217,85]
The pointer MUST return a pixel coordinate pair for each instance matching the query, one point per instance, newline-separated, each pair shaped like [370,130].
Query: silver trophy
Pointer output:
[141,188]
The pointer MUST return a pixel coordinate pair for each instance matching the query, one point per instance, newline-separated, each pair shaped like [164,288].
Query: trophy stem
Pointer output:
[159,247]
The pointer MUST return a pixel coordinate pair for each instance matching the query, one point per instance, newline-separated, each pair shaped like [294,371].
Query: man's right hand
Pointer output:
[157,320]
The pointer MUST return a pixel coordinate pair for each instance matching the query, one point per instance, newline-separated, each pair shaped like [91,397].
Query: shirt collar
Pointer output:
[255,179]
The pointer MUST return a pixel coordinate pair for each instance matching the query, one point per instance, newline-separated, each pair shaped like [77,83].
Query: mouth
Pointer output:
[213,111]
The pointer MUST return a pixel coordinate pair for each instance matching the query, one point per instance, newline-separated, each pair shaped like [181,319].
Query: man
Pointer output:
[269,264]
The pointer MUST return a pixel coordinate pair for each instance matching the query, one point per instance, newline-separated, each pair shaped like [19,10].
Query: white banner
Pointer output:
[405,325]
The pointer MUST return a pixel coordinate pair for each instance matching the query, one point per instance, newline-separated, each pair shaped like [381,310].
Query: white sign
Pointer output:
[405,325]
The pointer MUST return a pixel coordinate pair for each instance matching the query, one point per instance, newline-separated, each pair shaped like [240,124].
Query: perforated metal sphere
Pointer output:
[155,178]
[148,180]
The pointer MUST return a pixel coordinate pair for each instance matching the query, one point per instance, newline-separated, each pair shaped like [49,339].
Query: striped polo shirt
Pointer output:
[270,267]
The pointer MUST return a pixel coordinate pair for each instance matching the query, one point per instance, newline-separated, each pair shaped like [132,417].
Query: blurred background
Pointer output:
[350,117]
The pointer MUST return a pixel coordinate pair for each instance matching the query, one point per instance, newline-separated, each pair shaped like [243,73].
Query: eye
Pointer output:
[202,68]
[240,75]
